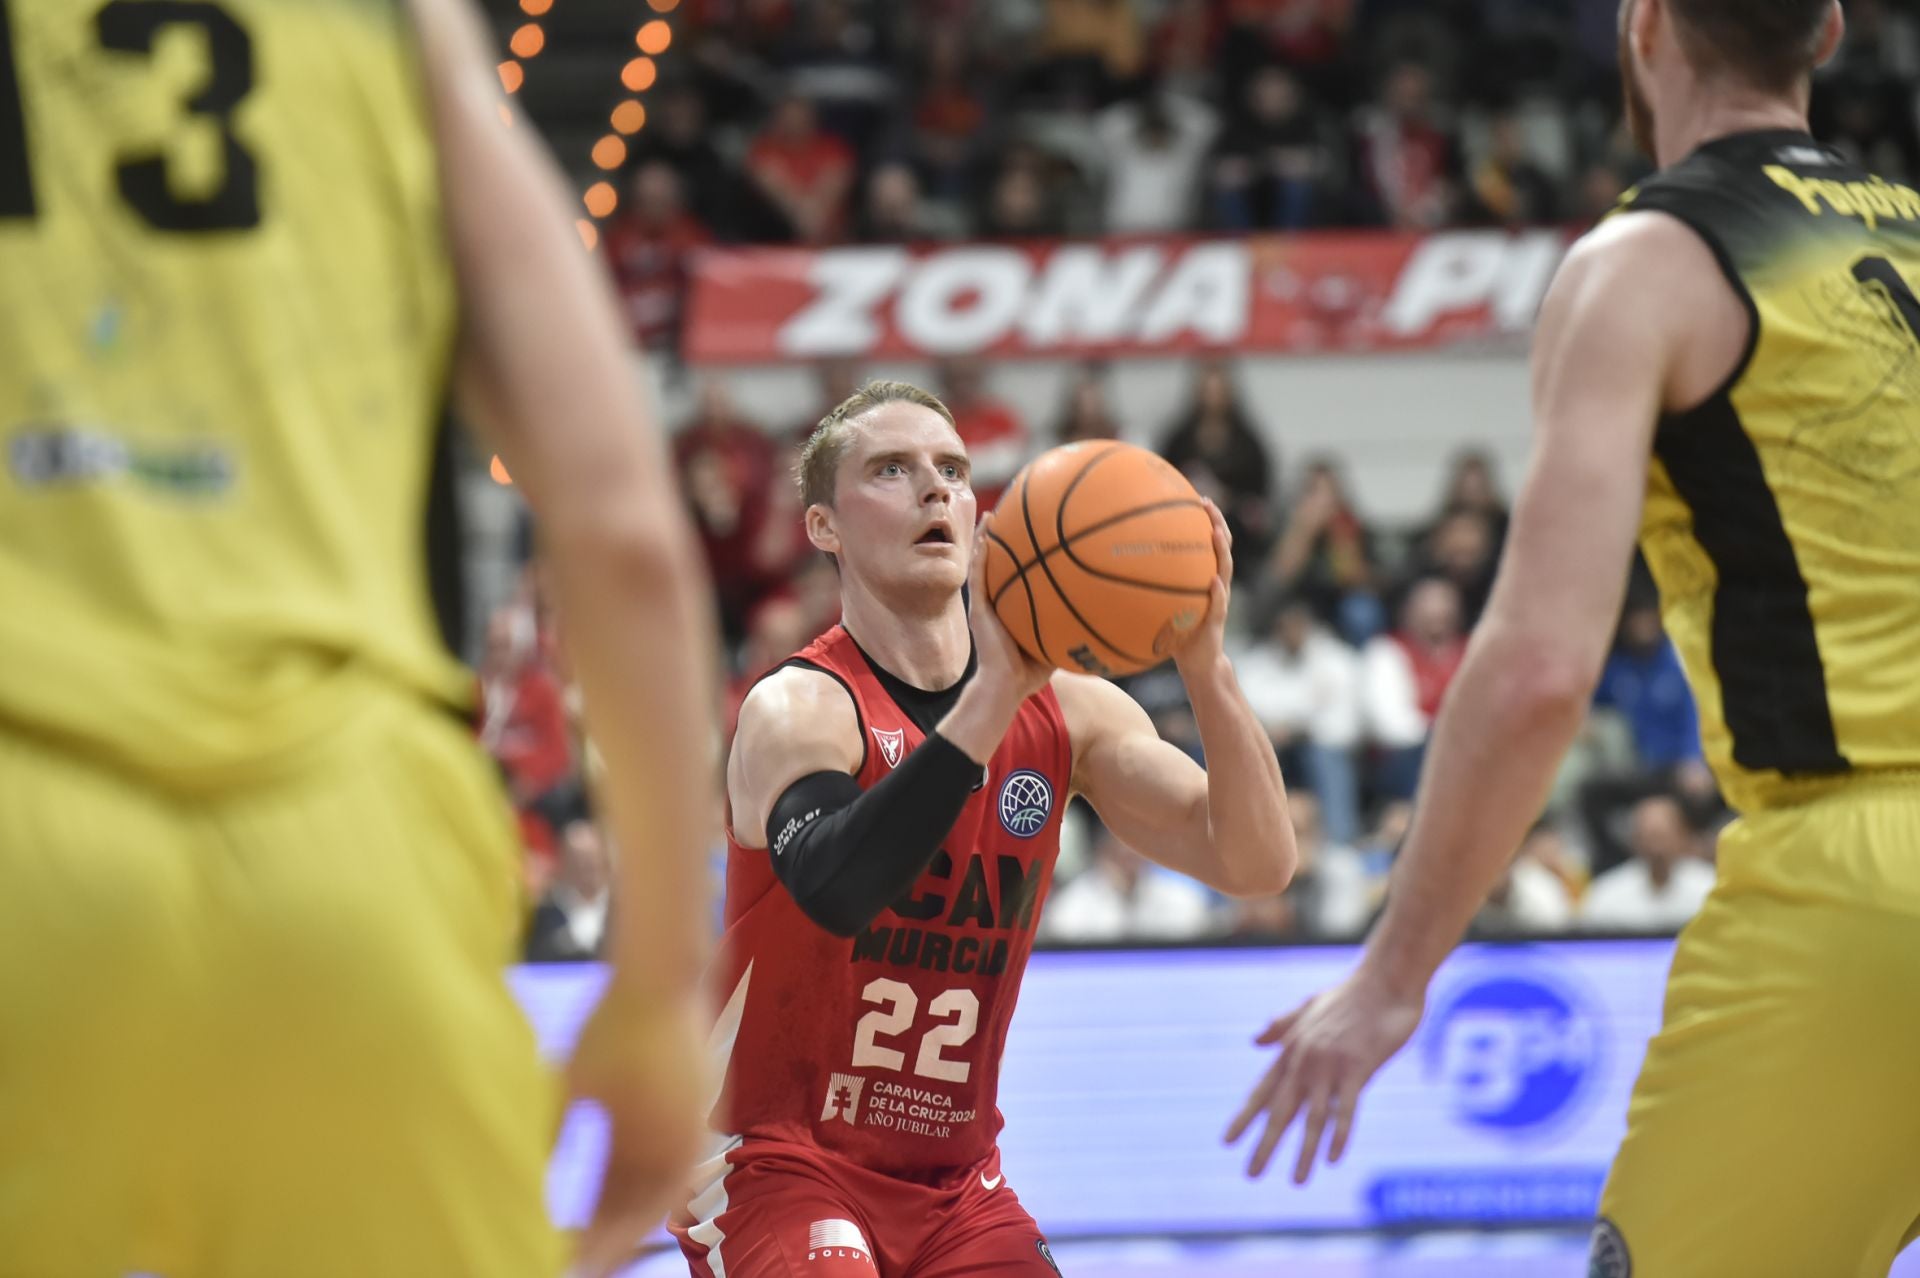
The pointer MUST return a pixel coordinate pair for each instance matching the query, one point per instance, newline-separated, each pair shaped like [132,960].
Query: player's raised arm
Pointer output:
[843,852]
[1226,826]
[1618,341]
[545,368]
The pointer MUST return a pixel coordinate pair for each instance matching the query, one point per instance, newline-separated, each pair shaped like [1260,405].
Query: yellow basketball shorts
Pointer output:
[268,1035]
[1775,1128]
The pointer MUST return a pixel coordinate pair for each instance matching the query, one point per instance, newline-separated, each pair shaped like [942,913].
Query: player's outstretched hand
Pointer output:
[1329,1048]
[1207,641]
[1003,663]
[644,1062]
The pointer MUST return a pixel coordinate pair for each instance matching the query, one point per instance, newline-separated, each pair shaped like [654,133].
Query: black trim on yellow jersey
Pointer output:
[1773,681]
[446,574]
[1773,685]
[16,180]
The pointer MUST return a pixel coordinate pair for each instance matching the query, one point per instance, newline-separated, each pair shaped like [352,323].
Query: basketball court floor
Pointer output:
[1454,1255]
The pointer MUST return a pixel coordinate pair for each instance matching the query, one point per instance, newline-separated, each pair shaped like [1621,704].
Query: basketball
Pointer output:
[1099,558]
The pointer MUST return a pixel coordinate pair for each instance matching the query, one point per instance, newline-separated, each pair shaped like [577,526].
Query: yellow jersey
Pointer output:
[226,320]
[1782,517]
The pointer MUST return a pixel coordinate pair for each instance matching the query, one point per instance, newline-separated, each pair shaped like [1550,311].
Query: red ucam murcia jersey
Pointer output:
[885,1048]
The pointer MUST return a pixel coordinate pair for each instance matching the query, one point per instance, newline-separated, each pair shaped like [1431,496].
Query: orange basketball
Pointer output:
[1100,556]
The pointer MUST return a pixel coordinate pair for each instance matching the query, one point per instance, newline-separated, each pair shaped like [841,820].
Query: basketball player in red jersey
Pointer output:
[908,771]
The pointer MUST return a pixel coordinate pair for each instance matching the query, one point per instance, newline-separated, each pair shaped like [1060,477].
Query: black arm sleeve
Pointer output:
[846,853]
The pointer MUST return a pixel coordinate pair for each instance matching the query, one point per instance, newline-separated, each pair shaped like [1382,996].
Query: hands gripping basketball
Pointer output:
[1207,641]
[1003,663]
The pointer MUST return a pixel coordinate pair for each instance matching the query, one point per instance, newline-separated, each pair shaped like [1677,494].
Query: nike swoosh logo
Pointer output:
[991,1185]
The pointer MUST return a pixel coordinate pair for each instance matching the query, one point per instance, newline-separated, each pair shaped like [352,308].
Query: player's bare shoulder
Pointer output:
[1650,271]
[795,722]
[1636,250]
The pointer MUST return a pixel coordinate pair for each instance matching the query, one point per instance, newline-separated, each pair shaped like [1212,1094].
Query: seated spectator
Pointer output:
[804,171]
[1087,416]
[1408,163]
[1121,897]
[741,511]
[995,437]
[1463,549]
[1333,894]
[1509,186]
[1018,207]
[1154,147]
[949,116]
[1216,445]
[837,61]
[1330,897]
[1643,682]
[523,710]
[1665,883]
[893,211]
[1325,552]
[678,135]
[1471,486]
[1276,166]
[647,246]
[1530,899]
[570,923]
[1303,683]
[1404,677]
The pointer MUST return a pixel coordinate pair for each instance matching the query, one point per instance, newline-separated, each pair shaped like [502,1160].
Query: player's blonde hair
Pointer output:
[820,459]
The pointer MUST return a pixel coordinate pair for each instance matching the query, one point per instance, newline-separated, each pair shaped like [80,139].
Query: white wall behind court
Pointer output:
[1392,421]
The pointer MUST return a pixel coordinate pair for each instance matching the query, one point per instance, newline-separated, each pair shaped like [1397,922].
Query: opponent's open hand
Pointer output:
[1329,1048]
[644,1062]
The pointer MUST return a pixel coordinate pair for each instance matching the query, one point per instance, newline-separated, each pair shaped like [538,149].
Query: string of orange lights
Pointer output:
[629,116]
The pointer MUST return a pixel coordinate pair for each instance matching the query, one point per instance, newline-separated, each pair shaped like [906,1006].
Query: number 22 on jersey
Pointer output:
[898,1005]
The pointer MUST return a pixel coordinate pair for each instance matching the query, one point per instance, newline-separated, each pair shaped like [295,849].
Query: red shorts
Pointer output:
[770,1209]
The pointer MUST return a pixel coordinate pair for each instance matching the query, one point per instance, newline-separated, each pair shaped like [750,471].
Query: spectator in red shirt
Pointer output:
[995,437]
[524,717]
[1409,166]
[1404,677]
[806,172]
[729,470]
[949,115]
[648,247]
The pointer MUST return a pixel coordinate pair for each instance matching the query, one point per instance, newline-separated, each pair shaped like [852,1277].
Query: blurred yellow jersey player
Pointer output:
[1729,370]
[257,884]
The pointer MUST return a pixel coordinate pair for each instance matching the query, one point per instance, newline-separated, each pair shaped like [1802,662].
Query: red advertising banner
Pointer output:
[1348,291]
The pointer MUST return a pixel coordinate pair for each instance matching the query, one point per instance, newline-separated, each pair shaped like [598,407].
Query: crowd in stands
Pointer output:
[1345,634]
[819,122]
[884,121]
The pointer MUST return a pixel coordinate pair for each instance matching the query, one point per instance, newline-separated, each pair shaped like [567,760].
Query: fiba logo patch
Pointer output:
[1026,800]
[1608,1258]
[1515,1053]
